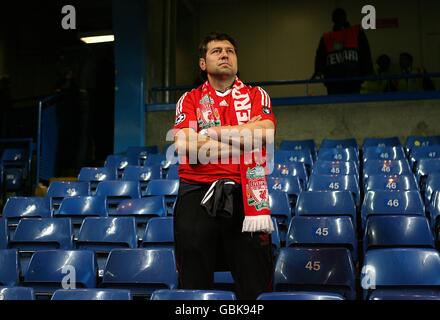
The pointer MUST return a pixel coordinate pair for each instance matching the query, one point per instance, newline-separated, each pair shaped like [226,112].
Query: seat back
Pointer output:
[298,145]
[334,154]
[142,174]
[48,269]
[140,154]
[384,153]
[339,143]
[302,296]
[159,232]
[326,203]
[4,238]
[389,168]
[58,190]
[391,183]
[397,232]
[141,270]
[321,270]
[295,169]
[105,234]
[402,269]
[9,268]
[392,203]
[381,142]
[164,294]
[116,191]
[16,293]
[323,167]
[336,183]
[92,294]
[322,232]
[43,233]
[94,175]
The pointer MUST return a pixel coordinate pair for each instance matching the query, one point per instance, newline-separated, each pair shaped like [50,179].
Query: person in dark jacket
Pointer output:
[343,52]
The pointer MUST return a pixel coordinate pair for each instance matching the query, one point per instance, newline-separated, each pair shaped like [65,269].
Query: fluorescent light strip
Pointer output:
[98,39]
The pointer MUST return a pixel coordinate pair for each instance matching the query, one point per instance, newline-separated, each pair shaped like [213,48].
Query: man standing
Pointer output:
[222,218]
[343,52]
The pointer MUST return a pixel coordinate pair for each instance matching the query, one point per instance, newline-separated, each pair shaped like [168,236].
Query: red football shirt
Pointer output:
[188,110]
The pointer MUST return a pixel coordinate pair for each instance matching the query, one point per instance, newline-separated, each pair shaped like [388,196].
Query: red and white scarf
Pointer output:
[253,178]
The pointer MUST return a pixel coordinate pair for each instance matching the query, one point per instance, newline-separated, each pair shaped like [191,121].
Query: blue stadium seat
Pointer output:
[173,172]
[322,167]
[295,169]
[336,183]
[118,163]
[159,232]
[17,208]
[140,154]
[4,237]
[302,156]
[48,269]
[141,270]
[391,183]
[434,212]
[381,142]
[384,153]
[143,175]
[316,270]
[157,159]
[35,234]
[58,190]
[78,208]
[276,242]
[304,296]
[339,143]
[401,274]
[166,188]
[289,185]
[105,234]
[322,232]
[116,191]
[397,232]
[16,293]
[326,203]
[164,294]
[9,268]
[389,168]
[281,210]
[426,167]
[415,142]
[391,203]
[429,152]
[432,184]
[142,210]
[344,155]
[14,167]
[299,145]
[94,175]
[92,294]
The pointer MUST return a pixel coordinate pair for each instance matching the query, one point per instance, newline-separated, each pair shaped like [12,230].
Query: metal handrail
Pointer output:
[313,81]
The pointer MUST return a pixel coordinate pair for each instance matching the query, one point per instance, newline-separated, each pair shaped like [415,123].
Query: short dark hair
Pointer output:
[407,55]
[339,15]
[203,47]
[214,36]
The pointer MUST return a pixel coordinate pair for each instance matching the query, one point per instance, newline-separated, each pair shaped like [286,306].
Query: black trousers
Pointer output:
[207,244]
